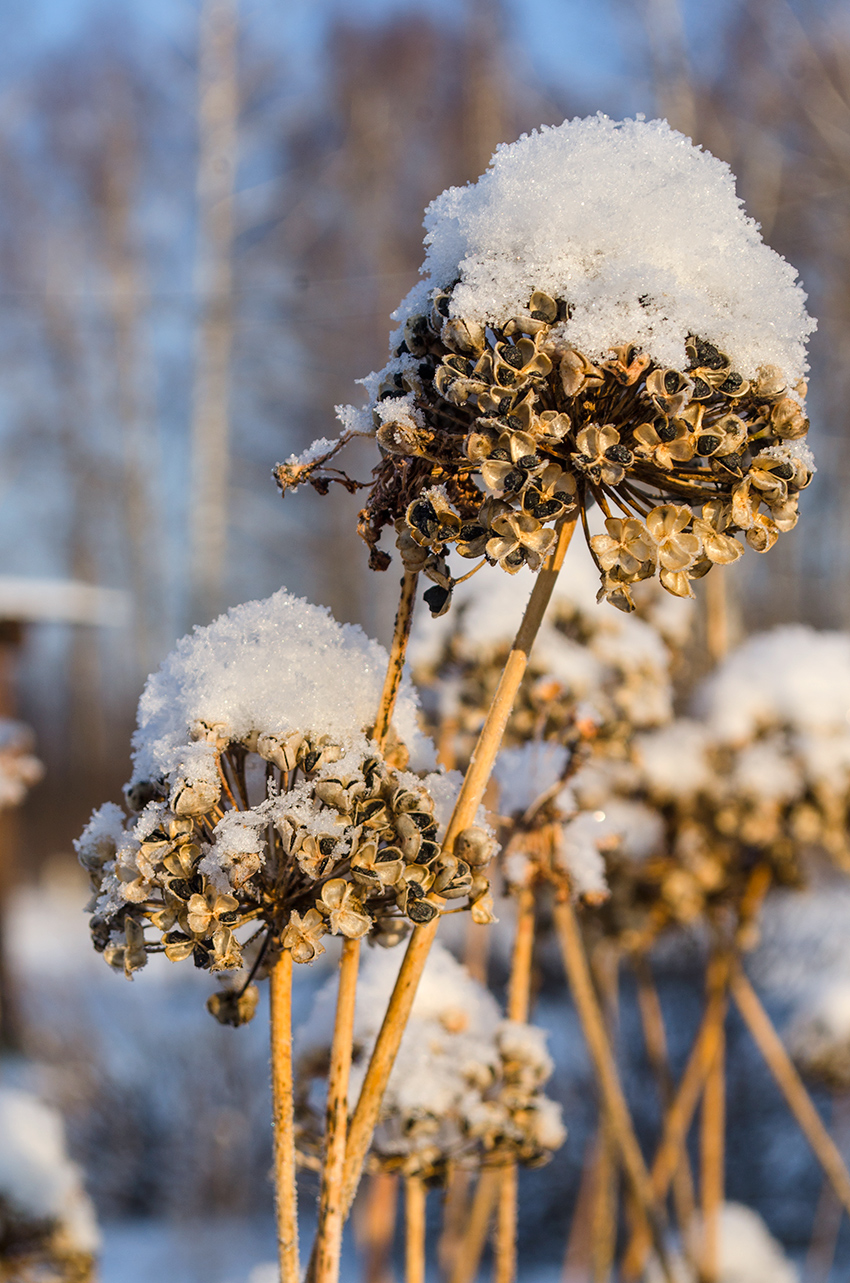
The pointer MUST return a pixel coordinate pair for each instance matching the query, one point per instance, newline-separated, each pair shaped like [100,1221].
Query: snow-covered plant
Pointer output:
[598,323]
[467,1086]
[47,1223]
[20,769]
[265,815]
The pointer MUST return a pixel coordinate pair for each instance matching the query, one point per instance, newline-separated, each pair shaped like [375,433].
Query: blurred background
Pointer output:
[208,210]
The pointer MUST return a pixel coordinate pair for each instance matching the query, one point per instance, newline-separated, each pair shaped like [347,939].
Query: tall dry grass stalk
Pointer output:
[280,986]
[415,1199]
[713,1132]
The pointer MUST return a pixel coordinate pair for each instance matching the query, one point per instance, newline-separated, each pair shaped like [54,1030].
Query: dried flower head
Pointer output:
[575,343]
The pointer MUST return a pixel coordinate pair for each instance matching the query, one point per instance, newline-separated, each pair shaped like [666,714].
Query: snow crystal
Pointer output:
[37,1178]
[641,231]
[275,666]
[313,452]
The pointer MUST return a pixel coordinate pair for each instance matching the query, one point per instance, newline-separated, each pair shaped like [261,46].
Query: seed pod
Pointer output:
[194,797]
[230,1007]
[475,846]
[282,750]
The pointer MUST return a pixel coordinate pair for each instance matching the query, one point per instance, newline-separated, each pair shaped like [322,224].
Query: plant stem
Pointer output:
[483,1202]
[613,1099]
[791,1084]
[395,668]
[331,1212]
[280,989]
[678,1118]
[414,1229]
[376,1227]
[712,1138]
[465,809]
[519,1000]
[655,1038]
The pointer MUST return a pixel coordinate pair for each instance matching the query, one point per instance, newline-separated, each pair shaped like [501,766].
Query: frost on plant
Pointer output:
[598,323]
[20,769]
[467,1087]
[265,816]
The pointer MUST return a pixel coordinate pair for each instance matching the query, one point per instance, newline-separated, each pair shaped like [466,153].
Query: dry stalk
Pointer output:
[791,1084]
[655,1038]
[376,1227]
[604,1208]
[577,1258]
[455,1215]
[280,987]
[472,790]
[712,1137]
[678,1118]
[480,1213]
[415,1195]
[826,1227]
[395,668]
[649,1212]
[331,1213]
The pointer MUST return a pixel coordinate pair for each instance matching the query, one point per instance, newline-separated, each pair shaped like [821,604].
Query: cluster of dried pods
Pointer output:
[294,838]
[491,435]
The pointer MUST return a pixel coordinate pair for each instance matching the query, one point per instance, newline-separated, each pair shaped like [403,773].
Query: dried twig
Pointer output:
[712,1135]
[280,986]
[480,1213]
[414,1229]
[613,1099]
[331,1212]
[401,633]
[791,1084]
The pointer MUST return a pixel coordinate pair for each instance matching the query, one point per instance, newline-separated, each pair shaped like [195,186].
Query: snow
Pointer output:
[272,666]
[37,1179]
[638,229]
[523,774]
[793,676]
[674,759]
[313,452]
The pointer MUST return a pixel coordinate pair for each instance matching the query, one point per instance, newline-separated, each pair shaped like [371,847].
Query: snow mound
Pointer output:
[638,229]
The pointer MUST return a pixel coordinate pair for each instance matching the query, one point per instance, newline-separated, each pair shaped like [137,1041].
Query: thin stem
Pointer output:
[401,633]
[505,1252]
[483,1203]
[280,987]
[519,1001]
[331,1211]
[678,1119]
[655,1038]
[376,1227]
[712,1141]
[414,1229]
[604,1207]
[465,809]
[717,617]
[613,1099]
[791,1084]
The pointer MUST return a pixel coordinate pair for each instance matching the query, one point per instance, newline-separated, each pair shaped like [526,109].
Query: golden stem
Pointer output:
[280,990]
[469,799]
[506,1225]
[395,668]
[613,1099]
[331,1210]
[712,1142]
[484,1201]
[414,1229]
[678,1118]
[376,1227]
[655,1038]
[604,1208]
[717,616]
[791,1084]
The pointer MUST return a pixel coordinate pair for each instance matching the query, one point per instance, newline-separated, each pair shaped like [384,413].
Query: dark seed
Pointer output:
[513,421]
[539,316]
[666,432]
[422,911]
[399,382]
[732,384]
[528,461]
[414,891]
[425,370]
[508,378]
[326,845]
[436,598]
[428,853]
[708,355]
[402,349]
[175,937]
[311,759]
[707,444]
[619,454]
[513,481]
[227,918]
[671,382]
[550,508]
[443,305]
[501,455]
[701,389]
[200,957]
[785,472]
[513,357]
[181,888]
[470,532]
[504,405]
[423,516]
[515,558]
[563,497]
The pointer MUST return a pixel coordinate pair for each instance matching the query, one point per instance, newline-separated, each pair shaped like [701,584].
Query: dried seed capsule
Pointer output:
[475,846]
